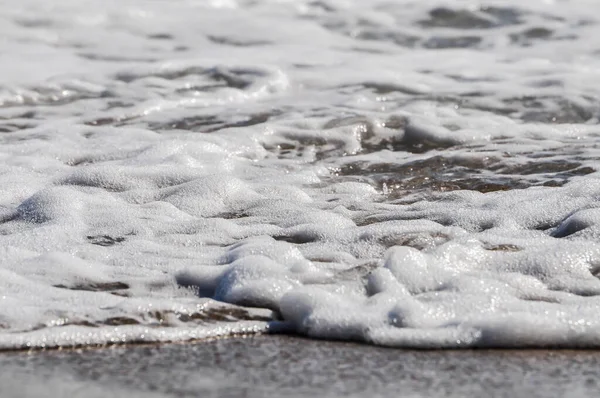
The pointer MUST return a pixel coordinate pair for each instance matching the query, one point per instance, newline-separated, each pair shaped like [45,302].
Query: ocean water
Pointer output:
[400,173]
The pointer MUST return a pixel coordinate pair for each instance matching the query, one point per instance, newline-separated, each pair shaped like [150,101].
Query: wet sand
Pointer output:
[262,366]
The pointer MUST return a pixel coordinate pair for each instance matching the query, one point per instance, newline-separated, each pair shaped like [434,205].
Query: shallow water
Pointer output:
[401,173]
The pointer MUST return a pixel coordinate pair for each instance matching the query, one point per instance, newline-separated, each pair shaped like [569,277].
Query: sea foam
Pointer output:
[401,173]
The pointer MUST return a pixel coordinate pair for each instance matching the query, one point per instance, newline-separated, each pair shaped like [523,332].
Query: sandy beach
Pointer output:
[284,366]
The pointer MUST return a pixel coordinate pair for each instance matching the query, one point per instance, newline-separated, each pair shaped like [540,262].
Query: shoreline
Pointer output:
[283,365]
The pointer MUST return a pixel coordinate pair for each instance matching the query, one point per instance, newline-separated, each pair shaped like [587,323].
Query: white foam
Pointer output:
[295,156]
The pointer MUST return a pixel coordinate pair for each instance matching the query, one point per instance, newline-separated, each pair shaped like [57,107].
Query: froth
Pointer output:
[413,175]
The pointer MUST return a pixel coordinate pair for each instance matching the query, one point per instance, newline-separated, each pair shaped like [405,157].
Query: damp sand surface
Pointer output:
[263,366]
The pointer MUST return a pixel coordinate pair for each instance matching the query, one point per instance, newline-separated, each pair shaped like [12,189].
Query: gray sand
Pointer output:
[284,366]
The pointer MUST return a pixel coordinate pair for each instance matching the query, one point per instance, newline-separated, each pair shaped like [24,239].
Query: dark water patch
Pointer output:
[527,102]
[417,240]
[366,50]
[424,167]
[484,185]
[398,189]
[321,6]
[441,173]
[364,29]
[115,121]
[543,83]
[105,240]
[399,38]
[583,291]
[484,18]
[557,167]
[358,272]
[239,78]
[564,115]
[297,239]
[527,36]
[169,318]
[224,314]
[199,88]
[120,321]
[387,88]
[35,23]
[115,58]
[421,146]
[505,247]
[550,109]
[296,144]
[458,19]
[81,323]
[129,77]
[445,42]
[420,139]
[485,174]
[407,142]
[443,17]
[443,219]
[358,121]
[574,152]
[103,121]
[361,126]
[396,122]
[12,127]
[232,215]
[504,16]
[118,104]
[81,161]
[96,286]
[201,123]
[595,270]
[7,215]
[212,123]
[580,171]
[553,183]
[304,66]
[539,299]
[574,223]
[472,79]
[228,41]
[470,101]
[251,120]
[208,315]
[161,36]
[370,220]
[545,226]
[28,115]
[287,150]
